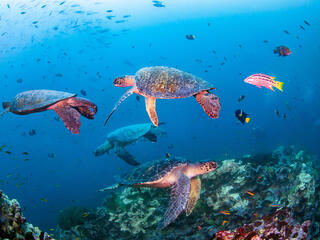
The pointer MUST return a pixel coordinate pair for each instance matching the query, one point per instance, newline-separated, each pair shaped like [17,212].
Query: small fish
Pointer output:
[241,98]
[120,21]
[263,80]
[32,132]
[265,41]
[199,227]
[25,153]
[305,21]
[302,27]
[62,3]
[138,98]
[274,205]
[224,222]
[22,13]
[44,200]
[225,212]
[109,11]
[214,52]
[127,16]
[7,152]
[282,51]
[158,5]
[286,32]
[168,155]
[250,193]
[43,6]
[190,37]
[83,92]
[242,116]
[35,22]
[51,155]
[85,214]
[51,229]
[59,74]
[276,111]
[8,6]
[285,116]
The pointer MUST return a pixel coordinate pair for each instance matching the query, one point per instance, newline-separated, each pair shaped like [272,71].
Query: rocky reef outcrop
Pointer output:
[240,193]
[13,226]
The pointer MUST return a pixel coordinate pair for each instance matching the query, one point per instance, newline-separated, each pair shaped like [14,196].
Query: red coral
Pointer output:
[279,225]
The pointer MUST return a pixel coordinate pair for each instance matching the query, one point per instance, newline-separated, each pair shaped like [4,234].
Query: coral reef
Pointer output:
[13,225]
[279,225]
[239,192]
[71,217]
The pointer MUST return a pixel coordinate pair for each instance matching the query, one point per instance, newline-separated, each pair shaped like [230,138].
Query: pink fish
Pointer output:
[263,80]
[282,51]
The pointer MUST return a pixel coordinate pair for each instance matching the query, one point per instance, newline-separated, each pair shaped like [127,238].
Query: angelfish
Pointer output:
[263,80]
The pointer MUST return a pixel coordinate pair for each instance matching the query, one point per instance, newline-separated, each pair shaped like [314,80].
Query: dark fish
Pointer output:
[302,27]
[127,16]
[214,52]
[286,32]
[265,41]
[57,119]
[7,152]
[8,5]
[120,21]
[32,132]
[240,45]
[79,12]
[43,6]
[25,153]
[19,80]
[62,3]
[35,22]
[285,116]
[168,155]
[83,92]
[282,51]
[158,5]
[55,28]
[109,11]
[51,155]
[110,17]
[305,21]
[242,116]
[22,13]
[190,37]
[241,98]
[277,112]
[59,74]
[138,98]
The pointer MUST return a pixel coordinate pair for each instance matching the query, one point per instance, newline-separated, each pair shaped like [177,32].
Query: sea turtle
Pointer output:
[66,105]
[167,83]
[124,136]
[174,172]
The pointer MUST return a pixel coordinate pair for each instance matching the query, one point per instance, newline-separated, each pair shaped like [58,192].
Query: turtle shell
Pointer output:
[35,100]
[166,83]
[151,171]
[129,133]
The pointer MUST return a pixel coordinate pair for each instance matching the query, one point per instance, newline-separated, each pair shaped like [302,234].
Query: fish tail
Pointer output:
[279,85]
[248,120]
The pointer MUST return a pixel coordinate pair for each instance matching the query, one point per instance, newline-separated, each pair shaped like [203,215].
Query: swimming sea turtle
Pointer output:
[124,136]
[176,173]
[167,83]
[66,105]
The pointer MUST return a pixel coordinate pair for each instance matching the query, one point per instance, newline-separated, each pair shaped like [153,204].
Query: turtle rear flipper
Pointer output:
[126,156]
[209,102]
[179,197]
[151,137]
[70,117]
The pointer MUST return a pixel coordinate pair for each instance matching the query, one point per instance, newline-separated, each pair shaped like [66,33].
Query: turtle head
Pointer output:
[200,168]
[6,105]
[104,148]
[124,81]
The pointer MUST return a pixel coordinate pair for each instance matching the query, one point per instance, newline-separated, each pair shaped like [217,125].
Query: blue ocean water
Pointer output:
[73,46]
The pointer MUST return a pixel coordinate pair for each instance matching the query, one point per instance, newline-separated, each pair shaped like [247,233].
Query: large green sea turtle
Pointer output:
[167,83]
[176,173]
[66,105]
[120,138]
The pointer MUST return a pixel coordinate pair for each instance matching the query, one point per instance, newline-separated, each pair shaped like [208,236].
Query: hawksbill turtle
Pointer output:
[167,83]
[66,105]
[120,138]
[175,173]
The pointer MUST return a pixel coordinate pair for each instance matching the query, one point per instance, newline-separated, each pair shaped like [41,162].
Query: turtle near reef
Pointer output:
[176,173]
[66,105]
[120,138]
[167,83]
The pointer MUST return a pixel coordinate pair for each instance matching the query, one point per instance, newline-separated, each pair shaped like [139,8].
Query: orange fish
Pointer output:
[224,222]
[199,227]
[275,205]
[263,80]
[225,212]
[250,193]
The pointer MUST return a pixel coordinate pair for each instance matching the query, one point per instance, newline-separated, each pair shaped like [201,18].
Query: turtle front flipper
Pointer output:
[151,110]
[85,107]
[179,197]
[126,156]
[195,187]
[70,117]
[124,97]
[209,102]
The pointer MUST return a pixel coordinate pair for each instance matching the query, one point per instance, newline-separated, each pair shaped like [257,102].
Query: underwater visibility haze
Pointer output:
[238,88]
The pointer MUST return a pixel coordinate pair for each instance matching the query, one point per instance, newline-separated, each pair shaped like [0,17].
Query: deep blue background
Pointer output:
[84,53]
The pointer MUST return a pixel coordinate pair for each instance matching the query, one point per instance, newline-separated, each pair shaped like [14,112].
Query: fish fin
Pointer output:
[179,197]
[248,120]
[279,85]
[195,187]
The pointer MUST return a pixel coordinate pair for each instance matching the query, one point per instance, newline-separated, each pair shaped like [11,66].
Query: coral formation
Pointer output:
[13,225]
[239,192]
[279,225]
